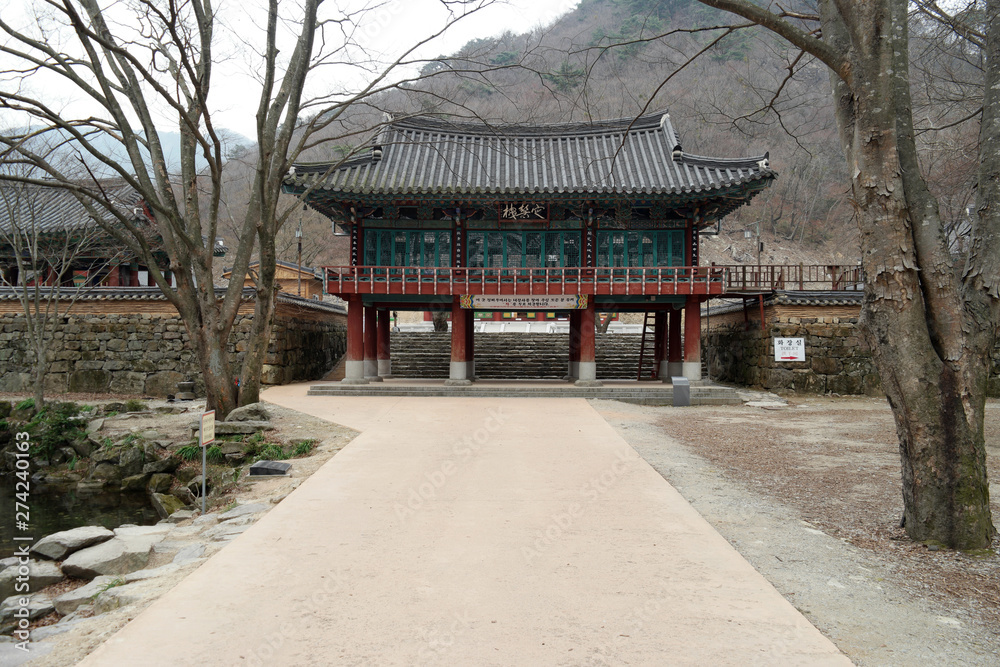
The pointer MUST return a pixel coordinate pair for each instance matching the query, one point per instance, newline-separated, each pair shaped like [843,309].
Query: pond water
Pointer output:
[54,509]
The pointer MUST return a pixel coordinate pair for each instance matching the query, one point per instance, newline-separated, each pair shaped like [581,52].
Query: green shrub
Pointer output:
[270,452]
[189,452]
[134,405]
[53,427]
[215,455]
[304,448]
[26,404]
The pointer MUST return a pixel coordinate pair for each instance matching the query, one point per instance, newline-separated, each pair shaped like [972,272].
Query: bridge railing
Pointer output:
[802,277]
[706,280]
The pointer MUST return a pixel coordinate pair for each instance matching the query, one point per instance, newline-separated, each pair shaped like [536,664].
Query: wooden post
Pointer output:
[371,344]
[459,373]
[470,343]
[574,346]
[587,373]
[660,344]
[384,354]
[354,364]
[675,357]
[692,339]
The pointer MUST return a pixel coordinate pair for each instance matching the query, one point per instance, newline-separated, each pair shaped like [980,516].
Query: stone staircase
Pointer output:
[511,356]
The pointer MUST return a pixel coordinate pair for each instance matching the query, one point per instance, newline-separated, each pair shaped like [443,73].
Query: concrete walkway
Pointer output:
[473,532]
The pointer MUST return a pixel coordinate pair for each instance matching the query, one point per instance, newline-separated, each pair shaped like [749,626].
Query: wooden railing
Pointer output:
[562,280]
[645,281]
[803,277]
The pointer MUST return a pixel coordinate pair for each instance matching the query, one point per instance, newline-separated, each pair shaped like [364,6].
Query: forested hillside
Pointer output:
[729,93]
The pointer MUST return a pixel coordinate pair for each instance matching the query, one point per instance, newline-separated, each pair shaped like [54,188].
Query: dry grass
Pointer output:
[837,463]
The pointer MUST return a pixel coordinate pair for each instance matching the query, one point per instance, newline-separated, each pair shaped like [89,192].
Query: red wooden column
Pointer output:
[384,356]
[459,374]
[354,365]
[675,356]
[470,343]
[587,376]
[574,346]
[660,344]
[371,345]
[692,339]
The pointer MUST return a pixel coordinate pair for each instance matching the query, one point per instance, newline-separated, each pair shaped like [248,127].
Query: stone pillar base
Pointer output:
[354,381]
[451,382]
[674,369]
[588,383]
[692,370]
[385,368]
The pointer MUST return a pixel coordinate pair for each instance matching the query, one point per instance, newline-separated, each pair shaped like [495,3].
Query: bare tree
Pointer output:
[56,253]
[932,324]
[141,61]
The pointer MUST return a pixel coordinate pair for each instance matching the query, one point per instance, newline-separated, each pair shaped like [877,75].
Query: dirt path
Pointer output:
[809,494]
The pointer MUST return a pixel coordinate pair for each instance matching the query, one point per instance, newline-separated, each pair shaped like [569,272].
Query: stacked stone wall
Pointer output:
[838,360]
[149,353]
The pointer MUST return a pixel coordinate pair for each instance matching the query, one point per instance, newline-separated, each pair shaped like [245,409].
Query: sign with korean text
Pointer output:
[207,428]
[525,211]
[789,349]
[524,303]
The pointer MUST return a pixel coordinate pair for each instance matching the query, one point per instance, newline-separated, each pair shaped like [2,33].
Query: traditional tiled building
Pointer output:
[572,219]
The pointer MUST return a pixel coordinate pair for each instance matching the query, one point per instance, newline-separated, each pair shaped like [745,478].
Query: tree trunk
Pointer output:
[260,331]
[931,370]
[41,367]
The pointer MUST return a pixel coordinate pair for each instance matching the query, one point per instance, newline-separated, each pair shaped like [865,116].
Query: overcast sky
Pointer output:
[395,25]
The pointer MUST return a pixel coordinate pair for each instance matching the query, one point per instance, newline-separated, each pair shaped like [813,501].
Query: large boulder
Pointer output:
[243,510]
[251,412]
[160,483]
[59,545]
[119,555]
[69,602]
[40,575]
[135,482]
[38,606]
[131,461]
[165,505]
[167,465]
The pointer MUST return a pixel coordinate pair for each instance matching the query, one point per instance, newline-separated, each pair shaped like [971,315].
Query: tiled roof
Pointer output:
[421,155]
[54,209]
[154,294]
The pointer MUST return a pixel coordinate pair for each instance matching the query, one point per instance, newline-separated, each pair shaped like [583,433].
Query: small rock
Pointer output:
[150,435]
[83,447]
[243,510]
[95,425]
[206,520]
[251,412]
[185,475]
[59,545]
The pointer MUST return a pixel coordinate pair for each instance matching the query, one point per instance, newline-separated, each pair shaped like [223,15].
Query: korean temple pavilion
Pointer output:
[568,218]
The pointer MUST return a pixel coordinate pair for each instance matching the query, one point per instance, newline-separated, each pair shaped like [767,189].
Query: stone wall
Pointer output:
[837,358]
[149,353]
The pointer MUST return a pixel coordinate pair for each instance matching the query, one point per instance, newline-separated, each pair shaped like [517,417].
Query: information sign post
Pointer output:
[207,437]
